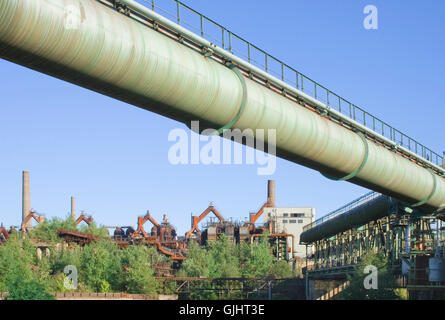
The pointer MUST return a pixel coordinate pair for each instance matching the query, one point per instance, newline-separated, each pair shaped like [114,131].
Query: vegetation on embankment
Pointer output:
[384,286]
[101,266]
[104,267]
[225,259]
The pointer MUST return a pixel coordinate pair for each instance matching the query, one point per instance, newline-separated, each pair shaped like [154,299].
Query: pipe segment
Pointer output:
[371,210]
[112,54]
[230,57]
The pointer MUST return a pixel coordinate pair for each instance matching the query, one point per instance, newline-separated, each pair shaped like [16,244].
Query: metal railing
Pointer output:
[351,205]
[210,30]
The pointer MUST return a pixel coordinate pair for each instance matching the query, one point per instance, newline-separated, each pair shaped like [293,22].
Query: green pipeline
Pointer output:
[374,209]
[93,46]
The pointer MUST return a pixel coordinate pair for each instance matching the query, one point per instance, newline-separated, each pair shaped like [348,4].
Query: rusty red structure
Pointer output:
[163,236]
[4,235]
[88,220]
[196,220]
[26,226]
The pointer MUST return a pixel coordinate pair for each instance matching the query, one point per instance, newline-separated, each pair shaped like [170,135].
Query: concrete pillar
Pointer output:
[271,192]
[39,254]
[26,198]
[73,208]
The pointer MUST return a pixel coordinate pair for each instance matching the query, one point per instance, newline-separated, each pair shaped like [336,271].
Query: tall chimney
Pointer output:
[271,192]
[26,198]
[73,208]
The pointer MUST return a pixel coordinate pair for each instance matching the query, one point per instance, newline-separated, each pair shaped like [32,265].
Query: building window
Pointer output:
[286,215]
[284,221]
[300,221]
[292,221]
[297,215]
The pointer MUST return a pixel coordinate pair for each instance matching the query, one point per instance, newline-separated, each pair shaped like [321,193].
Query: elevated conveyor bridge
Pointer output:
[412,240]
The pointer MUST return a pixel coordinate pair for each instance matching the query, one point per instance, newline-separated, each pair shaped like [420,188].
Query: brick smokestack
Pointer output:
[26,198]
[271,192]
[73,208]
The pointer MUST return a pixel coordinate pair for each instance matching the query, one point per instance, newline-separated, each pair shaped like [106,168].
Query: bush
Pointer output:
[47,230]
[281,269]
[20,289]
[101,261]
[138,275]
[385,290]
[224,259]
[16,276]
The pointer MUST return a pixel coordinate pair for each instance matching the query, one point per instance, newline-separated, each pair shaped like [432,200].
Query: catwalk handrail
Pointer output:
[290,76]
[347,207]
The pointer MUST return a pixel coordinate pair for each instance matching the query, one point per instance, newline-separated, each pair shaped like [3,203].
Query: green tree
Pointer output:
[47,230]
[17,259]
[21,289]
[197,263]
[138,272]
[223,258]
[255,259]
[94,229]
[100,263]
[280,269]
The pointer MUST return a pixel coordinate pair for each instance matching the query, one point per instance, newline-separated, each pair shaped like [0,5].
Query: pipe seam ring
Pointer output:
[357,171]
[418,204]
[243,102]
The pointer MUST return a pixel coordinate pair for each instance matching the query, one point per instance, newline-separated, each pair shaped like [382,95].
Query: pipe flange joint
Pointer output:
[362,165]
[433,191]
[243,101]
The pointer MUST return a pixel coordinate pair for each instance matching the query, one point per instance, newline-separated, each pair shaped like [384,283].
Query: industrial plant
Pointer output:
[326,250]
[283,235]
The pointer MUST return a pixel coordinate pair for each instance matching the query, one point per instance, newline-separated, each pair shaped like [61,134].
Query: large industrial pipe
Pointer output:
[26,199]
[86,43]
[376,207]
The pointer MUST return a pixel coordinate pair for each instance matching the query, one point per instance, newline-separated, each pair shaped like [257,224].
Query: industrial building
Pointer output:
[291,220]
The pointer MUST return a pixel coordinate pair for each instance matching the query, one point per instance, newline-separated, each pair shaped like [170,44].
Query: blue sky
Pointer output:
[113,156]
